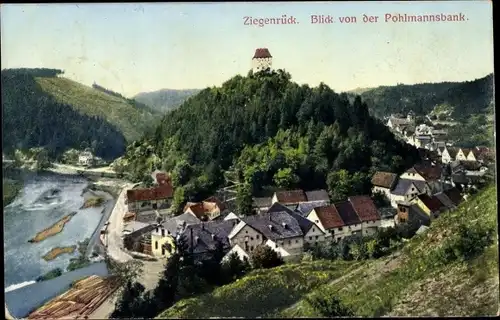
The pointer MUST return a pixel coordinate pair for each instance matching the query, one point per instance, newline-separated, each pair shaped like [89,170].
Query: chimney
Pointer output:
[196,240]
[284,225]
[202,226]
[213,236]
[270,227]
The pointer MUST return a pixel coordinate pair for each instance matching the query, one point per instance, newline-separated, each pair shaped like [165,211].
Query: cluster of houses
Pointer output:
[287,222]
[290,220]
[421,136]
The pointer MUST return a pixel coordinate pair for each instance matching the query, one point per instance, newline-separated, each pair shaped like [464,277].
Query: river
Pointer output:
[31,212]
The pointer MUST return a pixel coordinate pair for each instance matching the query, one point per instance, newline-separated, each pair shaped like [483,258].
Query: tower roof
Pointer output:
[262,53]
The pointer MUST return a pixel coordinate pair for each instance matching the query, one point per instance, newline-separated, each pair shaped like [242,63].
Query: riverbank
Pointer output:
[54,253]
[53,229]
[10,190]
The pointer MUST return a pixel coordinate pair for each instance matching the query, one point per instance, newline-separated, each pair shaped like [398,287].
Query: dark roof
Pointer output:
[384,179]
[278,207]
[161,192]
[207,234]
[454,195]
[262,202]
[470,165]
[291,196]
[177,224]
[445,200]
[347,213]
[452,151]
[416,214]
[433,203]
[317,195]
[305,207]
[262,53]
[329,217]
[387,212]
[402,187]
[283,225]
[365,208]
[428,172]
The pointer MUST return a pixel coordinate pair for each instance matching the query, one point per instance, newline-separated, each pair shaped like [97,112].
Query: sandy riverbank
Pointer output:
[54,253]
[53,229]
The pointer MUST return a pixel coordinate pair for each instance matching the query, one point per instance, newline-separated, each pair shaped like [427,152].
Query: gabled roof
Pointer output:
[262,202]
[384,179]
[275,225]
[454,195]
[317,195]
[465,151]
[262,53]
[162,178]
[445,200]
[177,224]
[347,213]
[207,234]
[305,207]
[432,203]
[290,196]
[209,205]
[329,217]
[365,208]
[428,172]
[231,216]
[156,193]
[404,184]
[452,151]
[215,202]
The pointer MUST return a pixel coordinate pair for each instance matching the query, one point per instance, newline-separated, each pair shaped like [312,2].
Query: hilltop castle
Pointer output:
[262,60]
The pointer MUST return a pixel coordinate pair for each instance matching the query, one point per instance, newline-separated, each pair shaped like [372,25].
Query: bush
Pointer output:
[265,257]
[326,304]
[54,273]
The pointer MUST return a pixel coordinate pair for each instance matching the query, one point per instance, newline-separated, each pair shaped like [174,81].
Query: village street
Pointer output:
[113,238]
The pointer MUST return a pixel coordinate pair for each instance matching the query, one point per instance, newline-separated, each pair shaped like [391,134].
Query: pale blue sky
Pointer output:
[132,48]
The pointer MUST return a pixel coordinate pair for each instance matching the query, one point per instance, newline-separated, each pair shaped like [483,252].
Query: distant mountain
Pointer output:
[165,99]
[461,98]
[42,109]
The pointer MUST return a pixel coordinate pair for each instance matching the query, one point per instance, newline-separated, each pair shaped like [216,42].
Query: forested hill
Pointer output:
[461,98]
[269,131]
[165,99]
[41,108]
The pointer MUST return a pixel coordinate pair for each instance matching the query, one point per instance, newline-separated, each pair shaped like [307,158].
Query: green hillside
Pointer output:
[451,270]
[165,99]
[461,98]
[269,131]
[42,109]
[130,120]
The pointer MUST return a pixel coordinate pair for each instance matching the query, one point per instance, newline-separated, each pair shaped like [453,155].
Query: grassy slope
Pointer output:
[131,121]
[406,284]
[262,292]
[10,189]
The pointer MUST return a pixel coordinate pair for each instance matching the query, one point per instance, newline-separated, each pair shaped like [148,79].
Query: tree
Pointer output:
[131,304]
[179,199]
[285,178]
[265,257]
[244,200]
[234,268]
[123,272]
[164,295]
[326,304]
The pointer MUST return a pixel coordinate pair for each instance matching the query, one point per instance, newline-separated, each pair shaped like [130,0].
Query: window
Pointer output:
[155,206]
[162,251]
[251,238]
[313,229]
[251,248]
[289,242]
[317,237]
[340,229]
[156,244]
[257,237]
[317,221]
[297,241]
[162,232]
[157,230]
[246,231]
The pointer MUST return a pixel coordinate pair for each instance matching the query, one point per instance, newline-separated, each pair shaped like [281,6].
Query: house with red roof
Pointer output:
[328,219]
[428,173]
[367,212]
[158,197]
[208,209]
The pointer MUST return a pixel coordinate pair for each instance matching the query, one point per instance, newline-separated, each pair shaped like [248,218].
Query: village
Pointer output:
[291,220]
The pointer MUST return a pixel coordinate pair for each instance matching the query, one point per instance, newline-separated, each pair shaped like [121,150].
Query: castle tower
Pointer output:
[261,60]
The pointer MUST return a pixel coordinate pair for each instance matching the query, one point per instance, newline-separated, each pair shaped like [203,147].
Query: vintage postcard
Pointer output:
[263,159]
